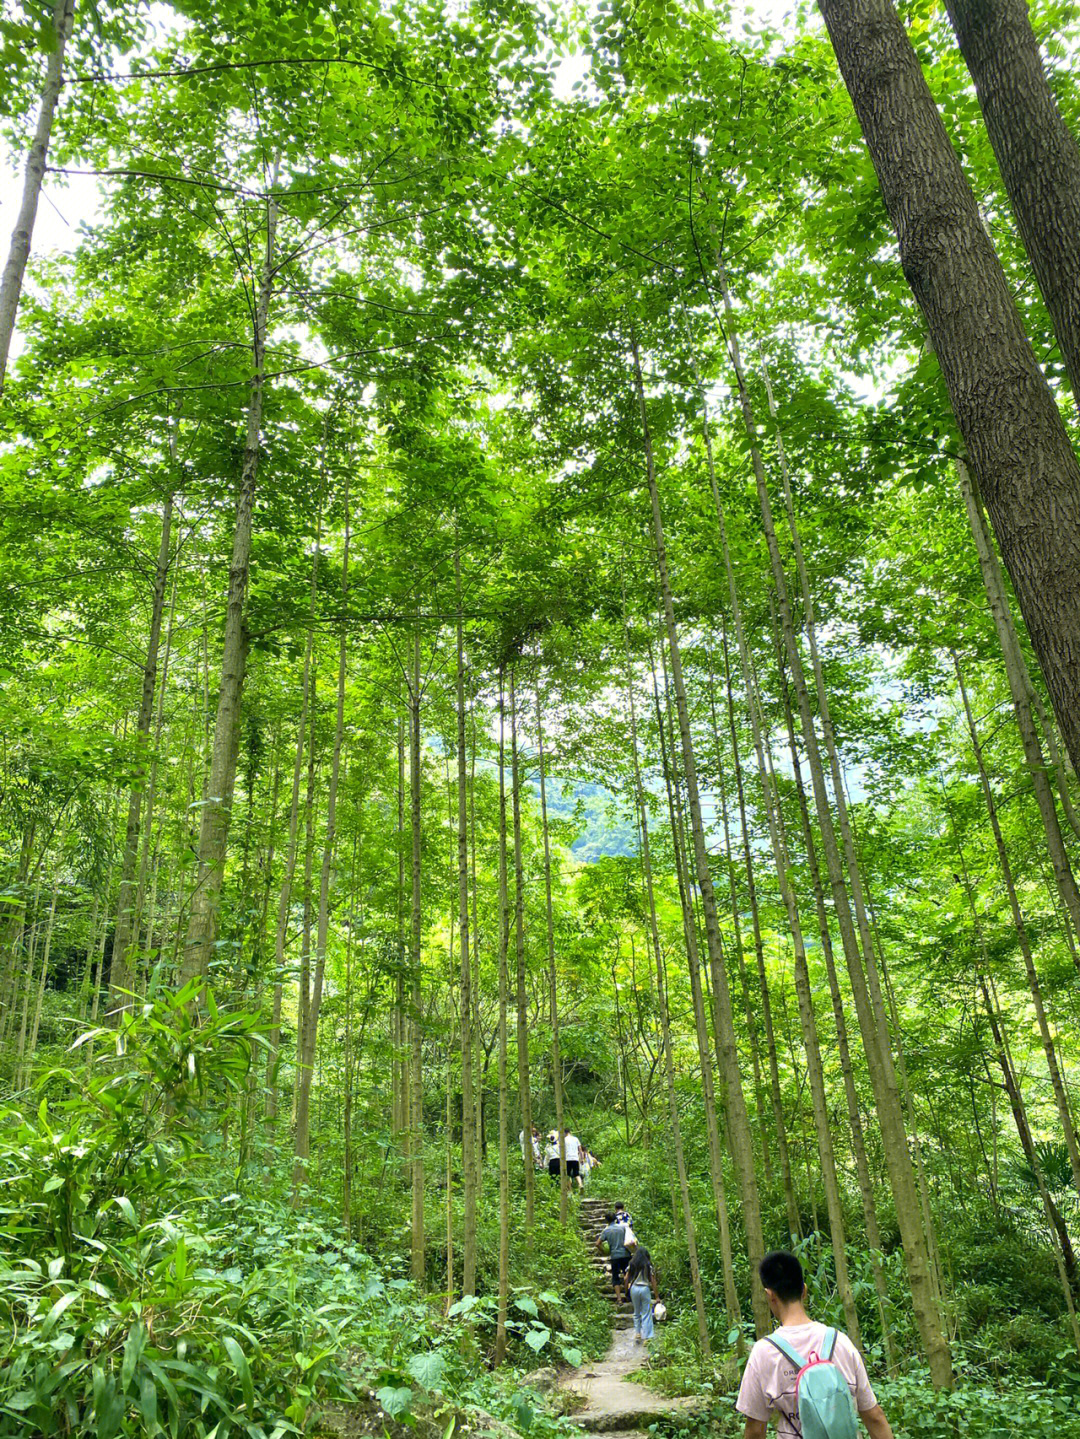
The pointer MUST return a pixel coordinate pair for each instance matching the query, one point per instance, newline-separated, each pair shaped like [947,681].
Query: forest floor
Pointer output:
[610,1402]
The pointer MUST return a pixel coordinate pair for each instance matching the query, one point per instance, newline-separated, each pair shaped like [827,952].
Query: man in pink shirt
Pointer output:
[768,1383]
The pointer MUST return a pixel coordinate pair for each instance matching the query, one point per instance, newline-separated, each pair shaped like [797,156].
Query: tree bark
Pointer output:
[1009,420]
[1023,695]
[1036,152]
[216,810]
[11,282]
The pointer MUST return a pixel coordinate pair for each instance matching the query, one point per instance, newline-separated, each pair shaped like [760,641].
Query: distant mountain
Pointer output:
[602,829]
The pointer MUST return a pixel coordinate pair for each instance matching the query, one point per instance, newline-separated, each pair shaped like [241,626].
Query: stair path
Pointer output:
[613,1405]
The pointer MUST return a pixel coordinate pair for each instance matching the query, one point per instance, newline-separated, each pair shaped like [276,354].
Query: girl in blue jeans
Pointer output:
[639,1282]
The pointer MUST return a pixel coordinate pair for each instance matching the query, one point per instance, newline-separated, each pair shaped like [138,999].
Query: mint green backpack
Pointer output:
[822,1397]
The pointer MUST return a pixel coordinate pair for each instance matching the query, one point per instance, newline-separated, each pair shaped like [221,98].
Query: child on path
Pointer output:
[768,1383]
[639,1282]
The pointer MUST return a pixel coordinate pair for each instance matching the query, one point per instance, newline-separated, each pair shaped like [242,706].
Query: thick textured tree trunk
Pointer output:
[1013,430]
[1057,1081]
[468,1109]
[1036,153]
[521,998]
[308,1041]
[1023,696]
[741,1146]
[11,282]
[665,1032]
[553,979]
[868,1004]
[733,1313]
[416,1045]
[216,811]
[120,975]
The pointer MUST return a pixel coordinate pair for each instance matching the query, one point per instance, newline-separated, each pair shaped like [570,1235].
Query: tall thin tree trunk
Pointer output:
[216,811]
[731,865]
[504,1098]
[468,1109]
[807,1019]
[868,1005]
[1019,447]
[741,1146]
[708,1089]
[521,998]
[1034,986]
[851,1097]
[11,282]
[120,976]
[790,1200]
[665,1031]
[553,980]
[39,991]
[347,1055]
[308,1041]
[416,1047]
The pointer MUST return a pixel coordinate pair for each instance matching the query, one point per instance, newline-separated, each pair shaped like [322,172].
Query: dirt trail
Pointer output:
[612,1404]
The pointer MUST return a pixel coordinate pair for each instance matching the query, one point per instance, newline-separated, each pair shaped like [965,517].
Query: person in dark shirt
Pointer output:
[613,1236]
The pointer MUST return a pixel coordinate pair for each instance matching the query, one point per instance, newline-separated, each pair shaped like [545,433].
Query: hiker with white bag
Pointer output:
[811,1377]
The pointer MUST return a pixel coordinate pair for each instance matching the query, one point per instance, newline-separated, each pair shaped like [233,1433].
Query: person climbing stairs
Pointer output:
[612,1405]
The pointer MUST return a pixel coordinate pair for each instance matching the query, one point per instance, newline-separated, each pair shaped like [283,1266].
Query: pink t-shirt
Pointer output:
[768,1383]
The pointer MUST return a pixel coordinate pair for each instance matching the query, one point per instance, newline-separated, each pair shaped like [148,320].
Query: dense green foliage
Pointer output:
[485,263]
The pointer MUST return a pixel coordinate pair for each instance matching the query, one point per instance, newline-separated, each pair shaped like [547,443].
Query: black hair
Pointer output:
[783,1274]
[610,1218]
[619,1206]
[640,1267]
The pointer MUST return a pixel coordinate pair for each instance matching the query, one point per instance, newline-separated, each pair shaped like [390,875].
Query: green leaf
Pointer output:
[243,1369]
[527,1306]
[396,1401]
[64,1302]
[134,1345]
[427,1369]
[537,1338]
[571,1355]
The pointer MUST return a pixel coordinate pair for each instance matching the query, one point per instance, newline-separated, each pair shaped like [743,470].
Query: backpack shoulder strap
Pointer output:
[828,1344]
[786,1349]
